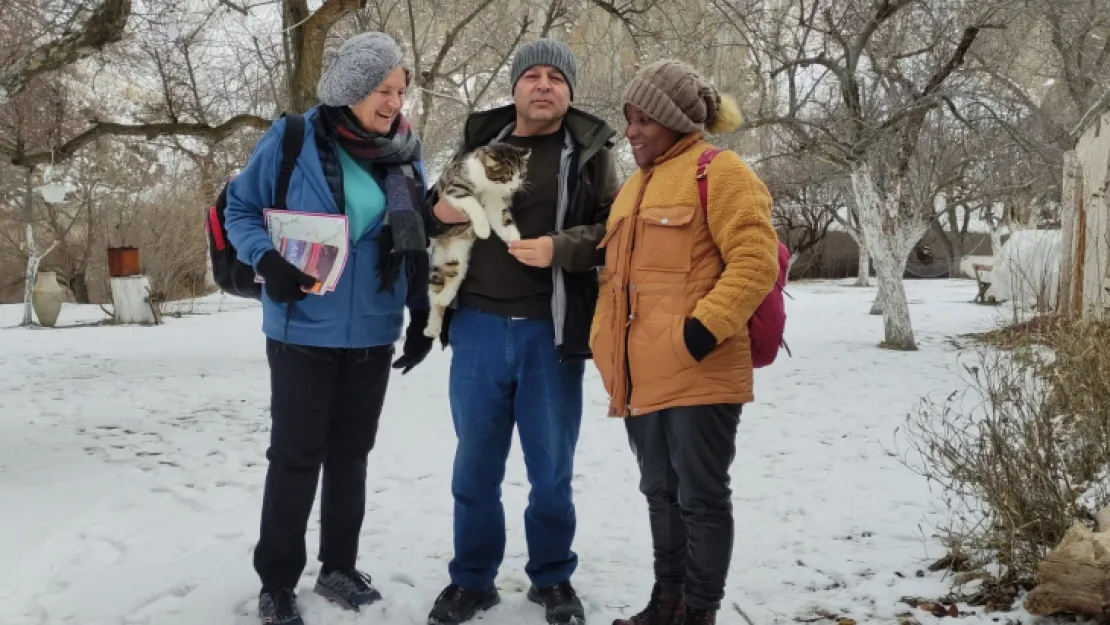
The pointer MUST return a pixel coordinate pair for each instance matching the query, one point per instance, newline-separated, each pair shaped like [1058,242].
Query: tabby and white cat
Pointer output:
[480,185]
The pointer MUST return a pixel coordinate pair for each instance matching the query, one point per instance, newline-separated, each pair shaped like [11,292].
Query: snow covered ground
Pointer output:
[131,468]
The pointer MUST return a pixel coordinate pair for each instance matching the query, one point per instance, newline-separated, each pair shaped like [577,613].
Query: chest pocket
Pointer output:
[665,239]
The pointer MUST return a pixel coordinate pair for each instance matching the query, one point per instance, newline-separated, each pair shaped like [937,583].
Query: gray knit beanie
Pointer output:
[674,94]
[545,52]
[357,68]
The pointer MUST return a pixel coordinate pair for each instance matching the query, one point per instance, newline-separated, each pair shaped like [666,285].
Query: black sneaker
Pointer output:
[561,603]
[279,608]
[458,605]
[349,589]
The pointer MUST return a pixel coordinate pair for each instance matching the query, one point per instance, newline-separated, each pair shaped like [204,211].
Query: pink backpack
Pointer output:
[768,323]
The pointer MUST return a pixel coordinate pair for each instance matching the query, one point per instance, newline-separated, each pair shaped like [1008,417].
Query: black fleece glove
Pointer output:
[699,340]
[417,345]
[283,280]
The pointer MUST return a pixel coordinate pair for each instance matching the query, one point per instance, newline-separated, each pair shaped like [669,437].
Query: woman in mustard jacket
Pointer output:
[670,335]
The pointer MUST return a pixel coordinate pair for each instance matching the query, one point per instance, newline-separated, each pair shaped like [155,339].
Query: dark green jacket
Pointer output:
[589,176]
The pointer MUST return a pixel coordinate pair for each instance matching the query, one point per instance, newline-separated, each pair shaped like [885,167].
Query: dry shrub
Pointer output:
[172,242]
[177,254]
[1021,454]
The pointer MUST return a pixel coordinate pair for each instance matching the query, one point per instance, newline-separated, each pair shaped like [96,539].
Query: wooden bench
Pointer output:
[983,280]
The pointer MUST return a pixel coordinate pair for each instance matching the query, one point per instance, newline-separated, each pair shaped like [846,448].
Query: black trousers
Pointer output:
[684,455]
[324,406]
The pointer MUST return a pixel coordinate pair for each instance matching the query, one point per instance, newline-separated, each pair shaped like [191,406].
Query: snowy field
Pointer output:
[132,463]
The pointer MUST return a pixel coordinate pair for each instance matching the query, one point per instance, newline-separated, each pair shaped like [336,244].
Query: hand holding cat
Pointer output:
[448,214]
[534,252]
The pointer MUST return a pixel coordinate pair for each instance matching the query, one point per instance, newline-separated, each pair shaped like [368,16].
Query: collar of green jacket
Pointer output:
[590,132]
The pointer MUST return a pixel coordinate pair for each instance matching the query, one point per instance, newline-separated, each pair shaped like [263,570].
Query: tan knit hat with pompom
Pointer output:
[677,96]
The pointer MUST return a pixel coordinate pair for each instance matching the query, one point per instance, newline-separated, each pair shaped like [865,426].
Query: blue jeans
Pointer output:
[505,371]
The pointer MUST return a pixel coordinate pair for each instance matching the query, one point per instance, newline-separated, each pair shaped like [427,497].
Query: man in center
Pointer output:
[519,337]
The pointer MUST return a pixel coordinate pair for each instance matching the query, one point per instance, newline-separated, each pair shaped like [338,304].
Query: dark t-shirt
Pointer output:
[498,283]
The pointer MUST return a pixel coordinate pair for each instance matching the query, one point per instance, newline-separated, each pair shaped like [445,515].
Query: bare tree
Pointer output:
[807,197]
[857,83]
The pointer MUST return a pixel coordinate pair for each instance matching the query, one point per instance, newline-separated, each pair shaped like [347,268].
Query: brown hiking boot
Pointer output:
[665,608]
[700,617]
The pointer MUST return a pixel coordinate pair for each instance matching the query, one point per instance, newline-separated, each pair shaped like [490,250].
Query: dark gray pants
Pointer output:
[684,455]
[324,405]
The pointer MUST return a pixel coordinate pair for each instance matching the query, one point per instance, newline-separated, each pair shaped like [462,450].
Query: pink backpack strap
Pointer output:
[702,175]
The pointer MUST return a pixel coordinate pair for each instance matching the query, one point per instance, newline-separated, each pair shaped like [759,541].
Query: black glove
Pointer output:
[699,340]
[417,345]
[283,280]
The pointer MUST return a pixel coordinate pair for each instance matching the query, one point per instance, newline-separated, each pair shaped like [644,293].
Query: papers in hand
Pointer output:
[314,243]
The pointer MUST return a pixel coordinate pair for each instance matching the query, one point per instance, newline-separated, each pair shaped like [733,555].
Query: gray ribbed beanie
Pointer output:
[356,68]
[545,52]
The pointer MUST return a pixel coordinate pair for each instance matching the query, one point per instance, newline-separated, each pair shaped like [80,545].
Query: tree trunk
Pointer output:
[29,275]
[307,35]
[891,237]
[34,259]
[953,239]
[897,324]
[863,272]
[79,286]
[863,268]
[880,294]
[877,303]
[131,301]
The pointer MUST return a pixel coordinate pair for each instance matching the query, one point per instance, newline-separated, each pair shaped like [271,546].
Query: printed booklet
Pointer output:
[315,243]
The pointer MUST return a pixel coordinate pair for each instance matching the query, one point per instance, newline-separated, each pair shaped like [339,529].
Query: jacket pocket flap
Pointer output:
[610,231]
[668,215]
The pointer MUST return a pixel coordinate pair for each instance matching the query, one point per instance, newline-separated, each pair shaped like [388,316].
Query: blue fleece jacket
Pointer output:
[356,313]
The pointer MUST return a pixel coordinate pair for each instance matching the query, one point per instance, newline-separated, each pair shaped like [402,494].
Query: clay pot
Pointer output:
[47,298]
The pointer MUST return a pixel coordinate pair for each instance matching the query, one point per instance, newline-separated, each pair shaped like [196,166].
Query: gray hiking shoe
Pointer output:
[349,589]
[279,608]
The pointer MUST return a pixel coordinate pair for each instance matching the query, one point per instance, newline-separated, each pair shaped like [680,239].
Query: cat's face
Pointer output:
[503,162]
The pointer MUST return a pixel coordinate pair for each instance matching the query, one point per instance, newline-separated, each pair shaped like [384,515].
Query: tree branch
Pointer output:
[105,26]
[1097,109]
[148,131]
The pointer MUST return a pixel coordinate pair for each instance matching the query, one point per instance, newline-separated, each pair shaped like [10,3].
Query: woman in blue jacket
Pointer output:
[330,354]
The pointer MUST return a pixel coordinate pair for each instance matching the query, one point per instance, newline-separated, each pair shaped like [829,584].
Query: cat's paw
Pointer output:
[510,234]
[435,324]
[481,228]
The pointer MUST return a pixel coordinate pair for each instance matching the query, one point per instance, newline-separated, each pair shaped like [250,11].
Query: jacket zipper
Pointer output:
[572,203]
[352,258]
[627,399]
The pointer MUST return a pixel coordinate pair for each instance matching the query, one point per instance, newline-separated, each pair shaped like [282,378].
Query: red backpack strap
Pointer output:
[702,174]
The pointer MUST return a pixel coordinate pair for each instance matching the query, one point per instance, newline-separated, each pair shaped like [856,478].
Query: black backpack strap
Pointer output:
[291,143]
